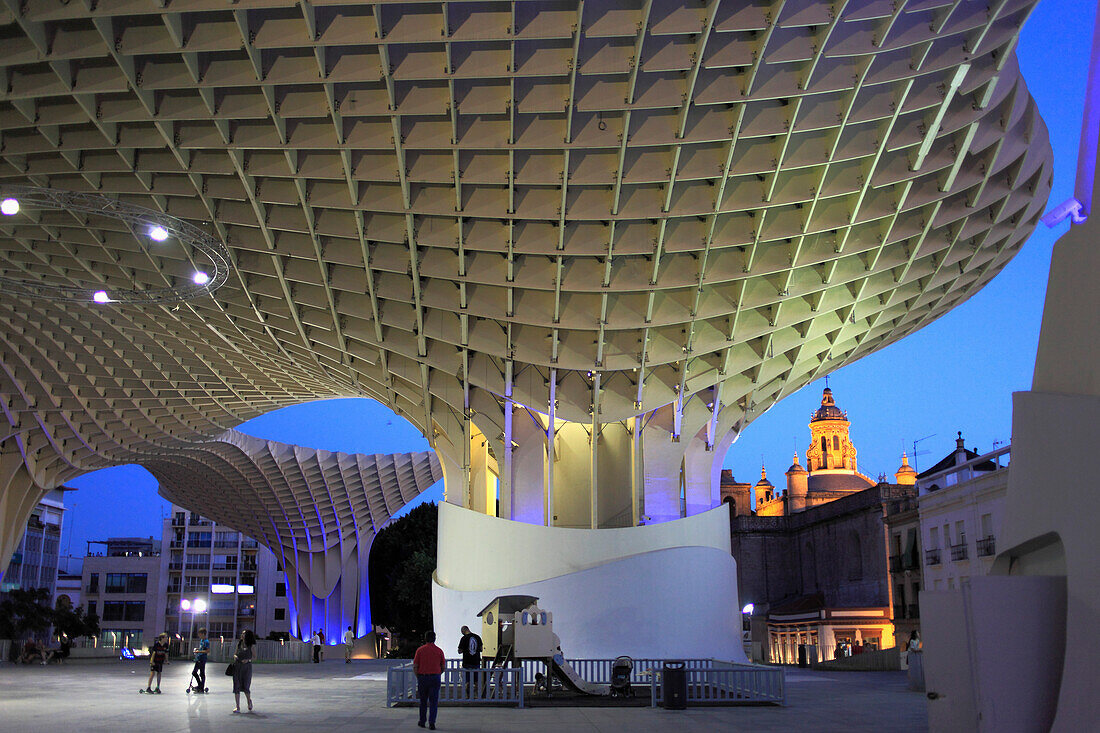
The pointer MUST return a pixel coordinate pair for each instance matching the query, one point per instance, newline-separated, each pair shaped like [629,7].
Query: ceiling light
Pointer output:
[158,233]
[100,296]
[9,207]
[200,277]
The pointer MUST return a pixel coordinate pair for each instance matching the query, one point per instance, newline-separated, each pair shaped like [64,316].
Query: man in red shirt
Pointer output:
[428,664]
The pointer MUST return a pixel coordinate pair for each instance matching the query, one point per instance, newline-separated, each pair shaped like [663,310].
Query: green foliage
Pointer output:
[75,623]
[25,612]
[402,560]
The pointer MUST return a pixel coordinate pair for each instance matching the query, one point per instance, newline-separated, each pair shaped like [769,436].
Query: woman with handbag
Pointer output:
[242,669]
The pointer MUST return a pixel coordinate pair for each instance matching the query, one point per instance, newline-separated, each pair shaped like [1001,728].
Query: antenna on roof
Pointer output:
[920,453]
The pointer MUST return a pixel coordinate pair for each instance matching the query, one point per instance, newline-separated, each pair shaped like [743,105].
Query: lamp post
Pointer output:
[197,605]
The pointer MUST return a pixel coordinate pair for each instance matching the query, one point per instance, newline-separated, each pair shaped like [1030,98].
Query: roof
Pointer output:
[838,482]
[800,604]
[509,604]
[828,409]
[949,461]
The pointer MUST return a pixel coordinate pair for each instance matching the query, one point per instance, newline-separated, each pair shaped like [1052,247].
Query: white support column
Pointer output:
[550,429]
[594,439]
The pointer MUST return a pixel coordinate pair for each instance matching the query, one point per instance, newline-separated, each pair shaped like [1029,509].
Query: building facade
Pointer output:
[124,586]
[239,584]
[906,562]
[35,560]
[197,574]
[961,509]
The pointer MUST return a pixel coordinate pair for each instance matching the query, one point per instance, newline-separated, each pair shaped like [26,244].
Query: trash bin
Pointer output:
[674,682]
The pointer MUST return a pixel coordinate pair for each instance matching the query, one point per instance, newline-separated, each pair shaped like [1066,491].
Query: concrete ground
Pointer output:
[332,696]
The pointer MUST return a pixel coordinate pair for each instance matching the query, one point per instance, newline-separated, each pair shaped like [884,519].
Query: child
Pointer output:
[157,654]
[199,671]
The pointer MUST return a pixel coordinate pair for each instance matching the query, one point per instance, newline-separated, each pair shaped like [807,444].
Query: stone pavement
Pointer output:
[333,697]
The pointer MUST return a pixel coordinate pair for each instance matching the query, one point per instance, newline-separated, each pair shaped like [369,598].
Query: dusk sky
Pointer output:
[958,373]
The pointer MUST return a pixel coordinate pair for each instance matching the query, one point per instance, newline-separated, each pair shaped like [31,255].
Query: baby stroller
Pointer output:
[620,677]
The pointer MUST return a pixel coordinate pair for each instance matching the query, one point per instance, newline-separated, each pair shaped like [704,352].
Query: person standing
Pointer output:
[242,669]
[199,670]
[428,664]
[470,646]
[158,653]
[316,641]
[349,641]
[321,636]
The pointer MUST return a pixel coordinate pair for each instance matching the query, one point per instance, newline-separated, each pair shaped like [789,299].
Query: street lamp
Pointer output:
[194,606]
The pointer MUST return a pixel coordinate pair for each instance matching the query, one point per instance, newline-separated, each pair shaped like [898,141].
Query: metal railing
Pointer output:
[987,546]
[486,686]
[728,683]
[958,552]
[932,557]
[221,650]
[710,681]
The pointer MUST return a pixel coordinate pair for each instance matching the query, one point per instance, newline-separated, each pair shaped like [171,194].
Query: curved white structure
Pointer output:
[657,591]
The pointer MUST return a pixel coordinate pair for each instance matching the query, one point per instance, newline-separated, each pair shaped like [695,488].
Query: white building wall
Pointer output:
[962,505]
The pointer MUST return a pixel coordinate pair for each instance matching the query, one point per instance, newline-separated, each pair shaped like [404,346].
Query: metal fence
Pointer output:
[265,651]
[714,682]
[486,686]
[709,681]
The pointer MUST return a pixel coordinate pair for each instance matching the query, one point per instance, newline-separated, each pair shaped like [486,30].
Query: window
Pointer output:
[960,532]
[113,610]
[280,614]
[135,611]
[280,590]
[836,443]
[934,538]
[987,525]
[197,562]
[91,607]
[198,539]
[93,583]
[126,583]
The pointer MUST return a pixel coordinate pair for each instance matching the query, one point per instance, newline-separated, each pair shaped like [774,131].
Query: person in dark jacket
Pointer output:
[470,646]
[158,655]
[242,669]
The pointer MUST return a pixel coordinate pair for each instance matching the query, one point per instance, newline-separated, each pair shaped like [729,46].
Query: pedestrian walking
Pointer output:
[428,664]
[470,646]
[349,641]
[198,672]
[316,641]
[158,653]
[242,669]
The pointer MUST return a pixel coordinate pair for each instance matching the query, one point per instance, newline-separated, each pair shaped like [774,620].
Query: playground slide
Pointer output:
[574,681]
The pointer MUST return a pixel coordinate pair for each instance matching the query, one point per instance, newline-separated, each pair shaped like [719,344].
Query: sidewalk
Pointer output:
[334,697]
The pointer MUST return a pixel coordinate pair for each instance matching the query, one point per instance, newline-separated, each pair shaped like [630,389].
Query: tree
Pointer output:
[74,623]
[26,611]
[402,560]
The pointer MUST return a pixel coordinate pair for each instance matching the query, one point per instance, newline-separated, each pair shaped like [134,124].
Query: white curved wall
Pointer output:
[481,550]
[662,591]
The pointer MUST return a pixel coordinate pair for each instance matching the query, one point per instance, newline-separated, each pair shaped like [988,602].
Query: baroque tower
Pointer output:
[830,447]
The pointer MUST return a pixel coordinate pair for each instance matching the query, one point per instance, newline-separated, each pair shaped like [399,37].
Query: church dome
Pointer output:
[796,467]
[905,475]
[763,482]
[828,409]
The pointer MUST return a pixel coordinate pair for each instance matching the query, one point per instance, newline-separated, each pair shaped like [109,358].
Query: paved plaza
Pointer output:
[103,696]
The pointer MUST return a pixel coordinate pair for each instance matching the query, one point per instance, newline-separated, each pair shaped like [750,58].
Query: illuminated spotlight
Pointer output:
[200,278]
[221,588]
[747,609]
[185,604]
[9,207]
[100,296]
[199,605]
[158,233]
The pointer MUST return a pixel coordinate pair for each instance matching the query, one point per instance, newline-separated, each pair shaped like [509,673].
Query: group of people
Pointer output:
[35,651]
[240,669]
[429,663]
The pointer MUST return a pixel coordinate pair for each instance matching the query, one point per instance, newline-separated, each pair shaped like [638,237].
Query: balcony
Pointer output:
[225,543]
[249,544]
[958,552]
[987,547]
[895,563]
[224,566]
[176,543]
[175,566]
[932,557]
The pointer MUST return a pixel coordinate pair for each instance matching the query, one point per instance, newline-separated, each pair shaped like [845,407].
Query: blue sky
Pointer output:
[958,373]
